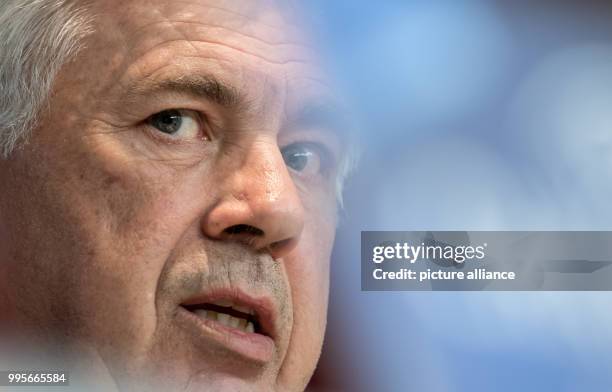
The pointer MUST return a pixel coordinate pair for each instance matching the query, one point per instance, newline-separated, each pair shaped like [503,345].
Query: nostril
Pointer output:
[244,229]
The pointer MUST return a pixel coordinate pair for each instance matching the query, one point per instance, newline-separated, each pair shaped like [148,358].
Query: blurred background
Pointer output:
[474,115]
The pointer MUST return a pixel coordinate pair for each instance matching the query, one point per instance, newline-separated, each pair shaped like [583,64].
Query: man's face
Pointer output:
[174,211]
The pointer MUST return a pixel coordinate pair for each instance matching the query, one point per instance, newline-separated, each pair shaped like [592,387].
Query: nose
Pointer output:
[258,203]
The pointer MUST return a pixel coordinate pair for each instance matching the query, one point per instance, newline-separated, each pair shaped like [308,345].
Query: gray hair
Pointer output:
[37,37]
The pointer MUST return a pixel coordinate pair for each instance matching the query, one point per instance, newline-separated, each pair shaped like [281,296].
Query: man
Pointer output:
[169,177]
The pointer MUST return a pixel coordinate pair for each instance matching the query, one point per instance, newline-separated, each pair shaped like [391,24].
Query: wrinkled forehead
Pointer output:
[255,42]
[262,19]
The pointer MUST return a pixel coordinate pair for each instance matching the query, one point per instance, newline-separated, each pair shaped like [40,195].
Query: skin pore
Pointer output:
[190,150]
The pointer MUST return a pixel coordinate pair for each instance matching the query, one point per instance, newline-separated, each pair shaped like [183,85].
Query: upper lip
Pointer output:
[262,308]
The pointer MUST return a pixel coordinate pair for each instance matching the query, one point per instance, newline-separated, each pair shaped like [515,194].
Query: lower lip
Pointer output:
[252,346]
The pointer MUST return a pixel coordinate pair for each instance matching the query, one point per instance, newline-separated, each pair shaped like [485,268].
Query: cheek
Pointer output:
[308,272]
[116,220]
[139,218]
[311,271]
[310,267]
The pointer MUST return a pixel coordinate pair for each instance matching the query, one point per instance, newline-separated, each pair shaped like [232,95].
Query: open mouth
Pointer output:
[225,312]
[235,320]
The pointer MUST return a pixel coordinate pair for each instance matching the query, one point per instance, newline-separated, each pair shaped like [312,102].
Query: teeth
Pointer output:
[226,319]
[207,314]
[202,313]
[242,324]
[234,322]
[212,315]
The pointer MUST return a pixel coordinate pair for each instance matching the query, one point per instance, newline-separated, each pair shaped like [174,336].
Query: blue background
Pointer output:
[474,115]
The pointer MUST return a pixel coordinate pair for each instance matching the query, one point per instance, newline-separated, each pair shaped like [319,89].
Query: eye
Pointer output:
[304,158]
[178,124]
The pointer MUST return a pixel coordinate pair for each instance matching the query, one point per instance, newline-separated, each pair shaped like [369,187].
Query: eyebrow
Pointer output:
[201,86]
[322,112]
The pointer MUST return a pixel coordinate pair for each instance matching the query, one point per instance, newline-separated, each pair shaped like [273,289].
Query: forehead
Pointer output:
[256,45]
